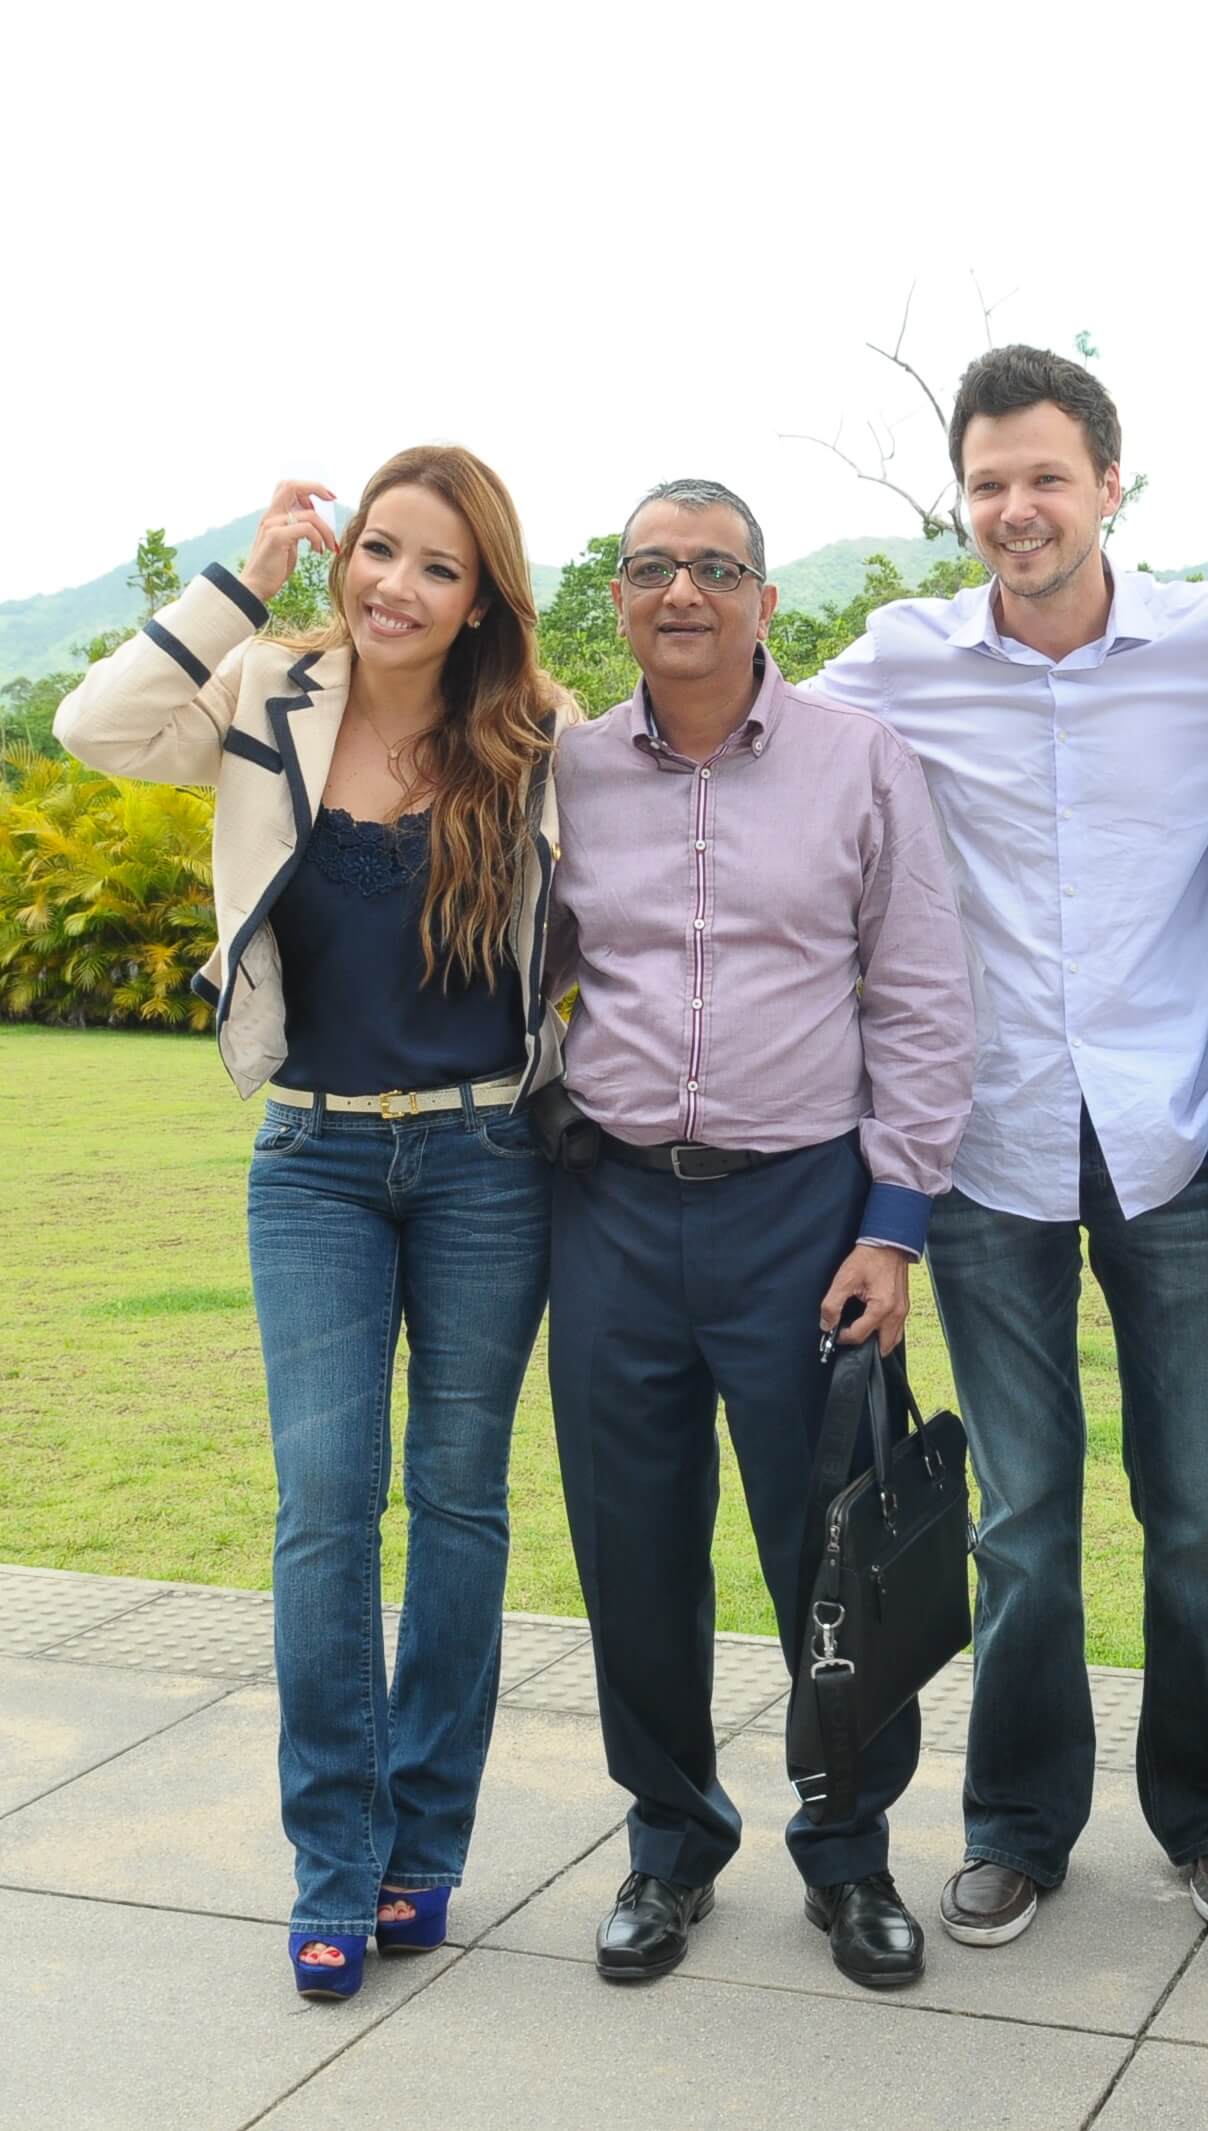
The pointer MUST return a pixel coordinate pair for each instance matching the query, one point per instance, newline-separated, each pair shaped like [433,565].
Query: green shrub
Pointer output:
[106,903]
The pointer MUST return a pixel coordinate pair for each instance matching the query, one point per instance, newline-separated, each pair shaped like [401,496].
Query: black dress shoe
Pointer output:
[646,1934]
[874,1939]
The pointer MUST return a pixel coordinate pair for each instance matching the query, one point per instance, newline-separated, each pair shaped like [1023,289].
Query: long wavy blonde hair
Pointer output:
[477,759]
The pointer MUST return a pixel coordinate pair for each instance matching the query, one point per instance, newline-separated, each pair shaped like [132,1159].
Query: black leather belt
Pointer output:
[684,1159]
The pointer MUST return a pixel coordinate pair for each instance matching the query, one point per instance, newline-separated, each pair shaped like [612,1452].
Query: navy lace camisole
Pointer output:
[358,1016]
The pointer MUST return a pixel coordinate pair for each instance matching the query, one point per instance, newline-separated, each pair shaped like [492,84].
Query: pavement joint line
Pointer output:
[537,1671]
[151,1672]
[224,1694]
[1143,2032]
[126,1901]
[872,2001]
[138,1605]
[473,1945]
[391,2013]
[886,2002]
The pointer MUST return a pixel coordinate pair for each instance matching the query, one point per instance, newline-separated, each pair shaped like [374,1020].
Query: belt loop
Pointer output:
[318,1108]
[468,1108]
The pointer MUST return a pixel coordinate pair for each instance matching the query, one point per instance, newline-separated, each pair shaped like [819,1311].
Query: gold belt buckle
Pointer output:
[403,1095]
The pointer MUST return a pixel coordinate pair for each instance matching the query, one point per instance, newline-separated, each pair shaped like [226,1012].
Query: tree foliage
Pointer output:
[579,639]
[302,602]
[27,710]
[154,573]
[106,904]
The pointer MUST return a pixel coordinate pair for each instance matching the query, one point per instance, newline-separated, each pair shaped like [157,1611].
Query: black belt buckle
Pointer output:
[706,1164]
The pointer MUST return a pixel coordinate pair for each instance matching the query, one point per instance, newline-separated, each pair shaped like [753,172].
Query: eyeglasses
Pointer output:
[709,573]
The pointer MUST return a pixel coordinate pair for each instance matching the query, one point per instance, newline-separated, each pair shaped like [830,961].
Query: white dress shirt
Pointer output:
[1073,801]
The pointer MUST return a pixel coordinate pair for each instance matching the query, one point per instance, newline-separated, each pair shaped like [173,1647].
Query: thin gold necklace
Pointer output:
[393,752]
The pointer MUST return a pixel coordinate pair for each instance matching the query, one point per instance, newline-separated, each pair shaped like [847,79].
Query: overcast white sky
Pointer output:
[602,246]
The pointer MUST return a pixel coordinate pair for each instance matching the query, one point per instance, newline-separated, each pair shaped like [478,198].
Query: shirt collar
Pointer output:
[1128,622]
[761,718]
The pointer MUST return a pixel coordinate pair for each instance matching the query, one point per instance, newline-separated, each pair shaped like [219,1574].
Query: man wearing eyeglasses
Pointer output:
[773,1038]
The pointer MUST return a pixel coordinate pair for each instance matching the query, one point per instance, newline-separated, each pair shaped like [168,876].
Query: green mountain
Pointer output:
[835,573]
[546,576]
[37,635]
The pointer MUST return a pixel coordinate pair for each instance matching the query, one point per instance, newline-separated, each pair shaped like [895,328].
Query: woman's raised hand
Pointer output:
[288,521]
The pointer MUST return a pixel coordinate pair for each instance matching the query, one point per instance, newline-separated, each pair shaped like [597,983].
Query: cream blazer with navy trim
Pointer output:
[195,699]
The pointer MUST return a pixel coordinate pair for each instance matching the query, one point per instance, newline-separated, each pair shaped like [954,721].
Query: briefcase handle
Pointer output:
[883,1374]
[858,1379]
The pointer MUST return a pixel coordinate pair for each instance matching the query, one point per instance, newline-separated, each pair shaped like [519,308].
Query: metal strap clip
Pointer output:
[825,1643]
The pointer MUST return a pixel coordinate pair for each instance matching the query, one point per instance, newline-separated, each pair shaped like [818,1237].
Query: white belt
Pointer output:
[402,1102]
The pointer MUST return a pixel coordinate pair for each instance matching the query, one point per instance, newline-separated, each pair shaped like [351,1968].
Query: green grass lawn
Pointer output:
[134,1437]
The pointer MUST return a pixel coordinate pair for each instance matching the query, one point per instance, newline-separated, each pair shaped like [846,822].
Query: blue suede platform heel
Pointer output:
[317,1981]
[421,1933]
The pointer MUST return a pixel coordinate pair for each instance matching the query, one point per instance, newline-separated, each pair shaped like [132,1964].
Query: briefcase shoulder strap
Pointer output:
[852,1370]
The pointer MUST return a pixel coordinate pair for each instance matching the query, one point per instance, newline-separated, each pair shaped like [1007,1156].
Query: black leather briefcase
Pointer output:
[884,1578]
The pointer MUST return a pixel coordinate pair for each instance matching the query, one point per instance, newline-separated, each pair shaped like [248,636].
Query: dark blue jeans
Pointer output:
[440,1223]
[664,1294]
[1007,1290]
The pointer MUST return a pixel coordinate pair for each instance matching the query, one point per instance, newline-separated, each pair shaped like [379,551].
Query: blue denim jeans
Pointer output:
[1007,1290]
[358,1226]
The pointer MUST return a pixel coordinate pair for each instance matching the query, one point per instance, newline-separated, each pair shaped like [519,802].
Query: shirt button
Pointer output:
[698,924]
[706,772]
[1077,1042]
[692,1087]
[1062,735]
[757,747]
[697,1006]
[1068,891]
[1073,968]
[1067,813]
[701,845]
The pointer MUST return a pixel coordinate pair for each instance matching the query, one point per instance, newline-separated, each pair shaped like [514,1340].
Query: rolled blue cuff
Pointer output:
[895,1215]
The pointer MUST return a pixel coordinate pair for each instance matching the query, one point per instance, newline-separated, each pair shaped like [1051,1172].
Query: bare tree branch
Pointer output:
[931,522]
[988,309]
[897,346]
[902,364]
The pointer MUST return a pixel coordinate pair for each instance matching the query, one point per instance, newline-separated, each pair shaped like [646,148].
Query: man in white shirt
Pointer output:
[1061,714]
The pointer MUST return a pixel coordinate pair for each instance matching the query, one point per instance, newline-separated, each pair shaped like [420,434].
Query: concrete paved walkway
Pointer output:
[144,1881]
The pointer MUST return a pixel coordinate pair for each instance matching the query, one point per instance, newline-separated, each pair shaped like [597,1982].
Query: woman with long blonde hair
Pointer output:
[384,836]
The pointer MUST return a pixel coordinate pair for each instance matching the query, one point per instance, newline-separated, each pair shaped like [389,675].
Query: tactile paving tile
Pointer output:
[530,1646]
[747,1674]
[530,1643]
[771,1719]
[217,1634]
[41,1607]
[947,1699]
[568,1686]
[1117,1702]
[546,1663]
[945,1703]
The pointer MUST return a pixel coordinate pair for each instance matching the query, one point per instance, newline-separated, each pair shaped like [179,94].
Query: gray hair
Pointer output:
[700,496]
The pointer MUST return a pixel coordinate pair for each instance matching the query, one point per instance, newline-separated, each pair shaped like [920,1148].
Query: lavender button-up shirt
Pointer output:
[765,943]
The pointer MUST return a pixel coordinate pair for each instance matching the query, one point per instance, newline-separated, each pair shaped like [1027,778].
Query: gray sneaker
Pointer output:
[1199,1886]
[988,1905]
